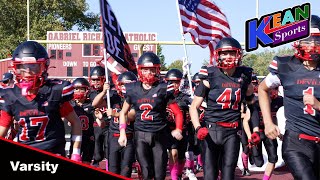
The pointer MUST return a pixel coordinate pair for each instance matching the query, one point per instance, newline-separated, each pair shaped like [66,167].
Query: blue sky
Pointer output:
[161,16]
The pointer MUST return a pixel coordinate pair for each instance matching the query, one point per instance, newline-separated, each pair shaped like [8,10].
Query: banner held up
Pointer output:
[114,40]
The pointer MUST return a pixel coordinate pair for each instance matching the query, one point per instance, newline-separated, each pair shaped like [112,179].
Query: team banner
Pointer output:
[18,160]
[114,39]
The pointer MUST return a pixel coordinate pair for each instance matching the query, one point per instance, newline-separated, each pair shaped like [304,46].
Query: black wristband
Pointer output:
[197,129]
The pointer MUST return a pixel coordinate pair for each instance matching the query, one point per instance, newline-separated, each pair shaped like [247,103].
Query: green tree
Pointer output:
[162,58]
[45,15]
[176,64]
[261,60]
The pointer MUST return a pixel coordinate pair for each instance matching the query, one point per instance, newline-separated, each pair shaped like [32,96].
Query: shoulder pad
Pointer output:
[246,69]
[276,61]
[65,88]
[203,73]
[130,87]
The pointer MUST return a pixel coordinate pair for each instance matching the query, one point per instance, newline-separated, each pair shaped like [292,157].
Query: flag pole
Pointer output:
[185,50]
[107,77]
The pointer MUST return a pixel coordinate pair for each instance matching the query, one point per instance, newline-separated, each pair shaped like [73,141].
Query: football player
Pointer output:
[101,125]
[150,97]
[38,103]
[226,86]
[177,149]
[250,129]
[83,108]
[120,158]
[299,76]
[270,145]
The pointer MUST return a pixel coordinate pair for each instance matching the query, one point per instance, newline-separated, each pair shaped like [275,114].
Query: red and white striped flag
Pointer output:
[205,22]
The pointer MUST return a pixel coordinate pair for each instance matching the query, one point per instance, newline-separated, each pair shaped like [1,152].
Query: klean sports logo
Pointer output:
[278,28]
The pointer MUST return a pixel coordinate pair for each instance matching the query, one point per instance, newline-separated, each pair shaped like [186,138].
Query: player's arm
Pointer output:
[176,133]
[123,123]
[250,94]
[245,121]
[200,93]
[69,114]
[5,123]
[131,115]
[271,130]
[99,101]
[197,101]
[253,137]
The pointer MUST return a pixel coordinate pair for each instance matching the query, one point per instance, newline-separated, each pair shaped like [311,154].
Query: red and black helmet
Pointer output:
[173,75]
[196,78]
[97,77]
[228,44]
[30,62]
[81,83]
[305,49]
[149,60]
[124,78]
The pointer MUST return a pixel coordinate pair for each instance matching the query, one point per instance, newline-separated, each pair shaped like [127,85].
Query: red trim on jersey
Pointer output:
[65,109]
[177,114]
[67,89]
[30,97]
[5,119]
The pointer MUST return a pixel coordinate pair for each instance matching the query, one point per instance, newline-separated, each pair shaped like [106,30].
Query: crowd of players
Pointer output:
[150,123]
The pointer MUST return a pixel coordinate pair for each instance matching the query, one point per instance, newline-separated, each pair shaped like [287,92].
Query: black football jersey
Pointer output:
[183,100]
[40,120]
[297,81]
[86,117]
[92,94]
[150,105]
[116,103]
[225,94]
[274,105]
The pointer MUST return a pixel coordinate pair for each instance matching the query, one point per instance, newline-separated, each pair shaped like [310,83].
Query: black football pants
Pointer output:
[301,156]
[100,143]
[152,154]
[120,158]
[220,152]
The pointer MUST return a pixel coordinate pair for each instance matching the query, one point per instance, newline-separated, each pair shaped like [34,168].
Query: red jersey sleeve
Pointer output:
[65,109]
[177,114]
[5,119]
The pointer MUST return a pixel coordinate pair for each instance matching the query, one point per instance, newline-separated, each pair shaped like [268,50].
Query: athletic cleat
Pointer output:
[190,174]
[246,172]
[198,168]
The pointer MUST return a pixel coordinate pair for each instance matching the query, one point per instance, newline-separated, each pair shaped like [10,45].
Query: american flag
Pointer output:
[205,22]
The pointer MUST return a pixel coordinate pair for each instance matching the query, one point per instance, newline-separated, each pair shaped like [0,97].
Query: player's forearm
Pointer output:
[98,101]
[131,115]
[3,131]
[194,115]
[76,132]
[264,102]
[122,121]
[246,128]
